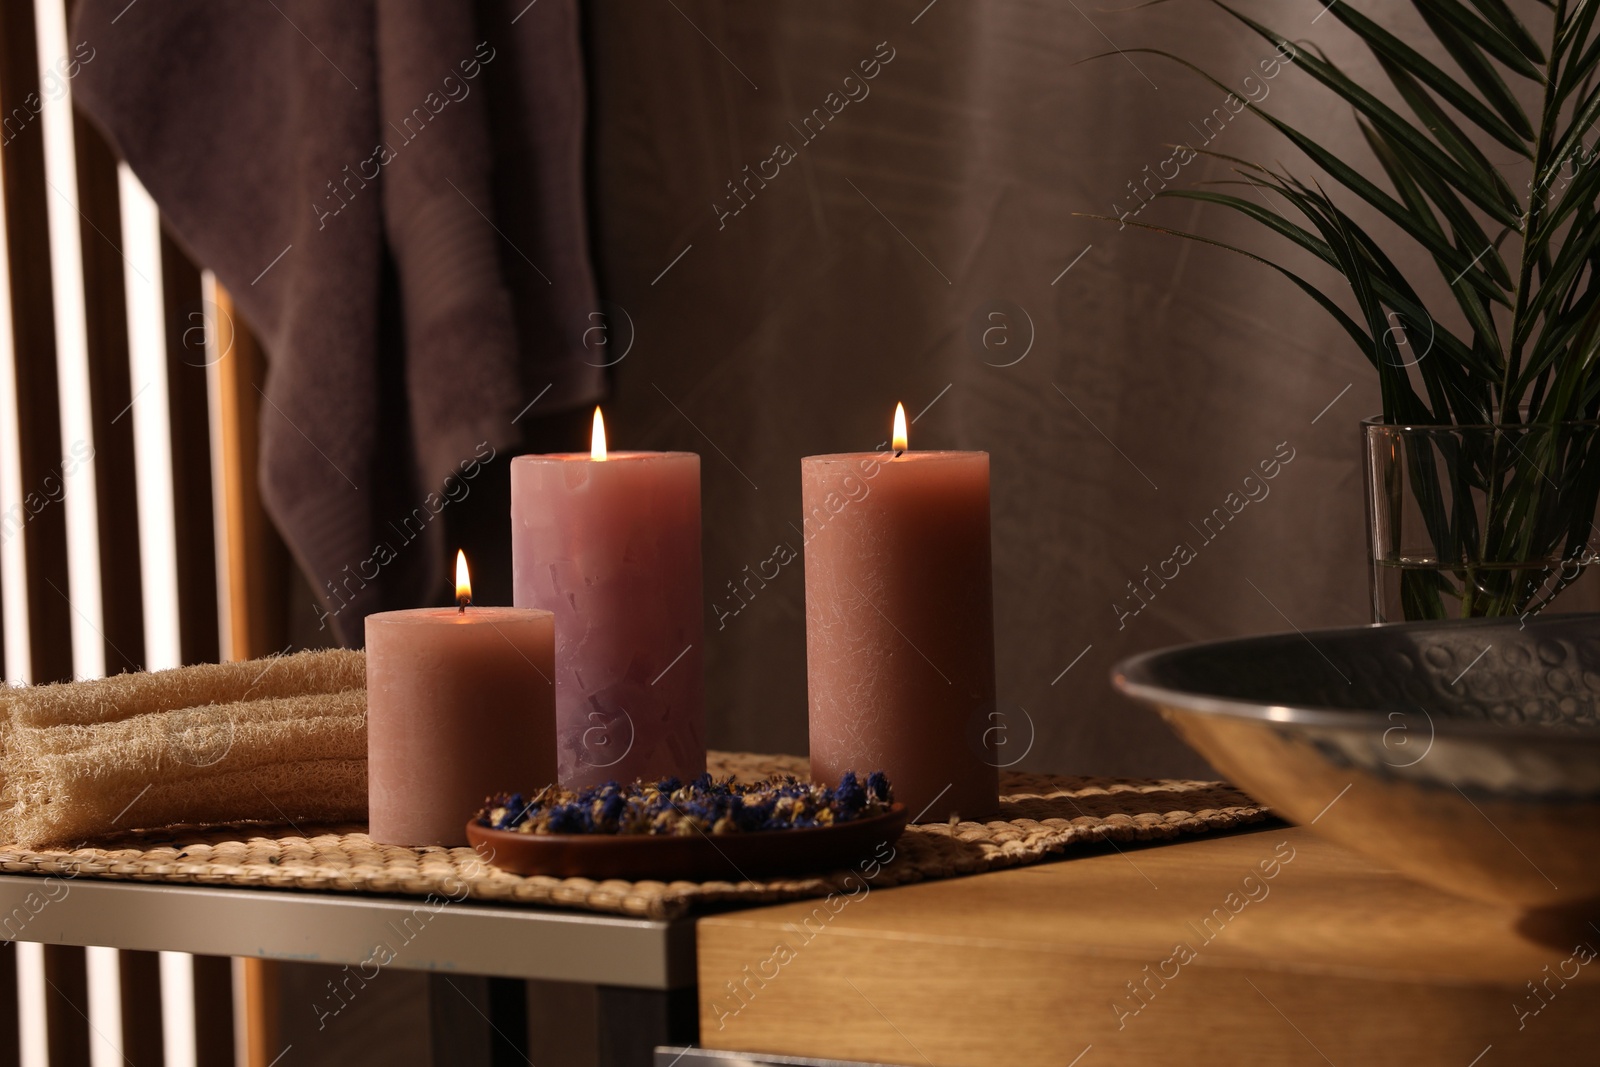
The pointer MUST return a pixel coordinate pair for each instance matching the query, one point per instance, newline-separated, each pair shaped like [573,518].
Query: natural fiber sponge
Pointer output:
[275,740]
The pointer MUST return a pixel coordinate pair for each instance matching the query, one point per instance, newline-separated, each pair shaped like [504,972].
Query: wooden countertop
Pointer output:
[1273,947]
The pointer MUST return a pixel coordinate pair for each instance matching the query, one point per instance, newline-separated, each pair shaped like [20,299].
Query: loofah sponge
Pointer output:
[275,740]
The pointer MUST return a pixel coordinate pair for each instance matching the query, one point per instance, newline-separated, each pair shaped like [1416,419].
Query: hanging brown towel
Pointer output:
[393,195]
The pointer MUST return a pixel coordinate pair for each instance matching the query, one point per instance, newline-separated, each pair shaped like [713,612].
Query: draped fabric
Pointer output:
[393,195]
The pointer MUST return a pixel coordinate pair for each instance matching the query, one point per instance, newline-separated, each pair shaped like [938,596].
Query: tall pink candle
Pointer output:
[460,705]
[900,625]
[612,547]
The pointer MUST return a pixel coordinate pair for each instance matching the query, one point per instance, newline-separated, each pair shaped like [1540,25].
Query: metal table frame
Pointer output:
[643,970]
[507,941]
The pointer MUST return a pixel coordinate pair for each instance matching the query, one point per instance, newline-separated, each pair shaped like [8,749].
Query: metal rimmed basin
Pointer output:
[1465,754]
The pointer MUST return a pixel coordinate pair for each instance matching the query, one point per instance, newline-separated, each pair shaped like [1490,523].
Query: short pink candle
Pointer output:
[900,625]
[612,547]
[460,705]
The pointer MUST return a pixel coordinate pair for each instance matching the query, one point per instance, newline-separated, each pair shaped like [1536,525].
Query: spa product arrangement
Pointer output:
[592,680]
[595,678]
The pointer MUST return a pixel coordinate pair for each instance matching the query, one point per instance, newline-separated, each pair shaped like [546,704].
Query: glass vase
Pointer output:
[1479,521]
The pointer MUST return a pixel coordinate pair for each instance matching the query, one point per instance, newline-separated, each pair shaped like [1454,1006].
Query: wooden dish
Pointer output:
[697,857]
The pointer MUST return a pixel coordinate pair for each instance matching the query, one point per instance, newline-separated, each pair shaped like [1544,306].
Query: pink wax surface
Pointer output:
[900,625]
[459,706]
[612,547]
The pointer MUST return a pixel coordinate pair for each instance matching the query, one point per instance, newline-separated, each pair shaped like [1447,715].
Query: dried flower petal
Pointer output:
[705,805]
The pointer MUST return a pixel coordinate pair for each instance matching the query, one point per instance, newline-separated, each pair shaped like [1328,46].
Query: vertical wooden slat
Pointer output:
[26,194]
[257,560]
[66,997]
[563,1021]
[33,327]
[508,1018]
[634,1021]
[262,1002]
[213,1011]
[110,396]
[188,403]
[10,1048]
[140,974]
[458,1019]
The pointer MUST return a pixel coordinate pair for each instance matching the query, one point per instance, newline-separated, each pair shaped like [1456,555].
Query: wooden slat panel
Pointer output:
[191,456]
[140,975]
[508,1019]
[10,1049]
[213,1011]
[458,1019]
[632,1022]
[33,326]
[257,559]
[110,397]
[263,998]
[66,1000]
[563,1023]
[257,586]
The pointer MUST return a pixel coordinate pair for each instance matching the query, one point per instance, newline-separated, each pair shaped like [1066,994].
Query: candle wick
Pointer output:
[461,604]
[899,452]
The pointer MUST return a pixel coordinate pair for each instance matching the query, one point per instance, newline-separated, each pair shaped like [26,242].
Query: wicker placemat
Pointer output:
[1045,816]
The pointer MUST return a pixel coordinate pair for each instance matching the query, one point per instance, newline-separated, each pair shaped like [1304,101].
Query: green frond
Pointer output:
[1521,266]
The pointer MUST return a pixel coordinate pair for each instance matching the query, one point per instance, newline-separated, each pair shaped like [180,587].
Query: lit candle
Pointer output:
[610,542]
[900,623]
[460,705]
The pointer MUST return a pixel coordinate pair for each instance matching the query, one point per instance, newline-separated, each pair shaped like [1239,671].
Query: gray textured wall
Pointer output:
[1145,383]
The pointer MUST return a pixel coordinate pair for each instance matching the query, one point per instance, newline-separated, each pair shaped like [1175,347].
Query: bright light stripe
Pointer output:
[72,351]
[105,1008]
[13,555]
[177,1006]
[152,430]
[241,1013]
[31,1033]
[219,486]
[177,1010]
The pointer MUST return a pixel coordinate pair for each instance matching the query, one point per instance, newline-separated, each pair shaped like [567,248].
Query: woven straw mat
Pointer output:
[1047,816]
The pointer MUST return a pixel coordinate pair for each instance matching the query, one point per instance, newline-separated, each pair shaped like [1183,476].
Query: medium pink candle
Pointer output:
[610,542]
[460,705]
[900,624]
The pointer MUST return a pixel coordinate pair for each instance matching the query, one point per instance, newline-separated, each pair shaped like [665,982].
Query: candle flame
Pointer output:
[463,581]
[900,441]
[597,439]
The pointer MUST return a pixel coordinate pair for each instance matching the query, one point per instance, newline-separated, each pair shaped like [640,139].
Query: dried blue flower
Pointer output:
[878,784]
[705,805]
[851,794]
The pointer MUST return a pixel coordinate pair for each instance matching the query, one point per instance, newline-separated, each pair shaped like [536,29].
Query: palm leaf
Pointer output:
[1485,188]
[1523,269]
[1495,42]
[1387,46]
[1357,183]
